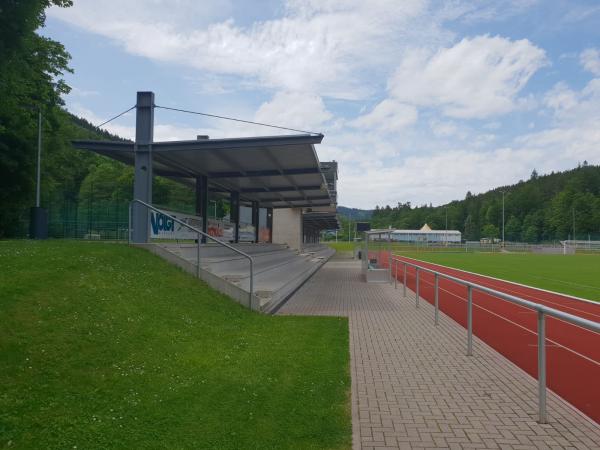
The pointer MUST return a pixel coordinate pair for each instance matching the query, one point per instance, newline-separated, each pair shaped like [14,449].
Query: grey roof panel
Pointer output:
[273,170]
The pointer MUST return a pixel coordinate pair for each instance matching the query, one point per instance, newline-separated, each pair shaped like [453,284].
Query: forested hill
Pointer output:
[355,213]
[543,208]
[71,178]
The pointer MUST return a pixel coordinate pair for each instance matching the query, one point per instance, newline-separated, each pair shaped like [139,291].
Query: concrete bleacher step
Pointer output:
[278,270]
[274,286]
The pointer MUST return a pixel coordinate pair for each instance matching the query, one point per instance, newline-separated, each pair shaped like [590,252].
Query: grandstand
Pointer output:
[280,199]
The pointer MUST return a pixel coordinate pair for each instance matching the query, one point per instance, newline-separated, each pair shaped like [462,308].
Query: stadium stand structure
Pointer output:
[278,178]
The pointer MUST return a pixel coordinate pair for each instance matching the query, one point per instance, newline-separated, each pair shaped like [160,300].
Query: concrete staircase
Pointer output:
[278,270]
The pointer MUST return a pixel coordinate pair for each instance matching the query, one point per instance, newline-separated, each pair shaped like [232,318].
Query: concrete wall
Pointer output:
[287,227]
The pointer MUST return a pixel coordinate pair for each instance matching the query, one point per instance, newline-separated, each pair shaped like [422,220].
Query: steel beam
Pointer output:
[142,185]
[270,223]
[202,202]
[263,173]
[255,215]
[234,214]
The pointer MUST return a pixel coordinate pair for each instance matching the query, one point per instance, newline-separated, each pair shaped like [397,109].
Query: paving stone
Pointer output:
[414,387]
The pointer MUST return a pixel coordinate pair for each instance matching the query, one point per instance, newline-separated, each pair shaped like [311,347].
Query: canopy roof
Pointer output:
[276,171]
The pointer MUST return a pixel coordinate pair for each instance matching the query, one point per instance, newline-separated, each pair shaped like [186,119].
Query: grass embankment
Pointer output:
[576,275]
[106,346]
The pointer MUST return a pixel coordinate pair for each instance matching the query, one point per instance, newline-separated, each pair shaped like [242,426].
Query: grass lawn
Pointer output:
[106,346]
[577,275]
[343,246]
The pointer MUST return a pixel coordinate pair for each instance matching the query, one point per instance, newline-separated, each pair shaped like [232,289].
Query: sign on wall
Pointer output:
[164,227]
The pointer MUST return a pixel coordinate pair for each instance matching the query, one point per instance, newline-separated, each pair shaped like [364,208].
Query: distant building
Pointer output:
[426,234]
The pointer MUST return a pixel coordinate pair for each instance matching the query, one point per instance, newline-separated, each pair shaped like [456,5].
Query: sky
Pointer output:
[419,101]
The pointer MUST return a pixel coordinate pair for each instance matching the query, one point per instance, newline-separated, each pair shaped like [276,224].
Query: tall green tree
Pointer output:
[31,67]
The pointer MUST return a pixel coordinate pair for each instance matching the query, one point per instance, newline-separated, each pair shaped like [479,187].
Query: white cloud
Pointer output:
[435,178]
[476,78]
[575,135]
[162,132]
[294,110]
[590,60]
[560,98]
[444,128]
[388,116]
[418,143]
[112,14]
[323,47]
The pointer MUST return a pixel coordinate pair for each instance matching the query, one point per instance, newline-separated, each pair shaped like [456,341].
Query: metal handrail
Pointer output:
[542,312]
[200,233]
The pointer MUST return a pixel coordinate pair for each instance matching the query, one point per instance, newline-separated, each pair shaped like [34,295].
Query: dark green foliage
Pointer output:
[544,208]
[31,67]
[79,189]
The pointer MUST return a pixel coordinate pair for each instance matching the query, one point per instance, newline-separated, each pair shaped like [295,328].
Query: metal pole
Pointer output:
[502,192]
[349,225]
[198,254]
[469,321]
[251,283]
[435,288]
[404,283]
[395,274]
[542,367]
[574,238]
[390,256]
[129,225]
[446,232]
[417,289]
[39,159]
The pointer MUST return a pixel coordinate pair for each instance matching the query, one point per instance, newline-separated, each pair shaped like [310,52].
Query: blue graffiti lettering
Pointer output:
[160,222]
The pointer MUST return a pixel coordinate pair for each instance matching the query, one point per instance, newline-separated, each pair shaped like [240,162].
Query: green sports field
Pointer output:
[577,275]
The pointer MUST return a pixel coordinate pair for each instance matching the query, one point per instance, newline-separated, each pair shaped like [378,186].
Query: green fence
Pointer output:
[105,220]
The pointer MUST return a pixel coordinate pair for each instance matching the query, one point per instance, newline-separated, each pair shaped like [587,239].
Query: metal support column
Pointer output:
[202,202]
[270,223]
[142,185]
[436,288]
[255,220]
[417,288]
[469,321]
[404,282]
[542,368]
[234,215]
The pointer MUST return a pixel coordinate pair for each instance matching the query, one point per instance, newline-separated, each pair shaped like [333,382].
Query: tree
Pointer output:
[470,229]
[530,234]
[512,229]
[31,67]
[538,209]
[490,231]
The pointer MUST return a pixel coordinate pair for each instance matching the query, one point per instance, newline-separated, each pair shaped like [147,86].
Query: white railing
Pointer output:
[542,312]
[199,233]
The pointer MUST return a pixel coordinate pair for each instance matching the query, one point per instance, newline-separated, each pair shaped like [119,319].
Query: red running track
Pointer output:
[572,352]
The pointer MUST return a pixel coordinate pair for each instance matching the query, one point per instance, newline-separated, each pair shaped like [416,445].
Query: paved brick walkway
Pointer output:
[413,386]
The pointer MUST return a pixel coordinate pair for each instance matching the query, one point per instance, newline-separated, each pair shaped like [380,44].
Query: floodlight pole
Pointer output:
[502,218]
[446,234]
[349,225]
[574,238]
[39,159]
